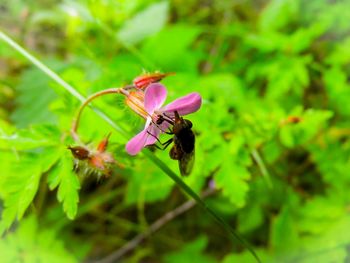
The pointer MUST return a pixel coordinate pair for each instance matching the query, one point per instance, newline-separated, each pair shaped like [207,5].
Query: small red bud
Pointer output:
[103,144]
[144,80]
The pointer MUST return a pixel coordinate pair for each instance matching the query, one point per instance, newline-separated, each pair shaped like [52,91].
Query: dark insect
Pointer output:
[184,142]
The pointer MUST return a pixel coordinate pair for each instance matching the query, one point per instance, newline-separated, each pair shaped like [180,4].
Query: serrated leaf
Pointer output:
[22,182]
[68,186]
[233,174]
[31,244]
[232,179]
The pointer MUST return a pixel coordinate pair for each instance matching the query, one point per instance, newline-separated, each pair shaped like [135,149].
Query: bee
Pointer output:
[184,142]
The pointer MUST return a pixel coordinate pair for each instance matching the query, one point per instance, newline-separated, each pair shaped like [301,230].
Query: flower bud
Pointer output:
[141,82]
[93,162]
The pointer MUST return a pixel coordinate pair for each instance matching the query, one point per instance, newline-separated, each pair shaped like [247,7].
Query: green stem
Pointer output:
[58,79]
[191,193]
[147,153]
[262,167]
[42,67]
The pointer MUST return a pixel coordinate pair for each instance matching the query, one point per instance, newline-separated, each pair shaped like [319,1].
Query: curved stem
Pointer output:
[76,121]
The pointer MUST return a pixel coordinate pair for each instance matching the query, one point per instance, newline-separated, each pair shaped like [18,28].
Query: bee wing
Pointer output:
[186,163]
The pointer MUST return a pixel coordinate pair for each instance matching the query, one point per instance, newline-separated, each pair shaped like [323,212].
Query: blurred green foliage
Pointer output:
[272,133]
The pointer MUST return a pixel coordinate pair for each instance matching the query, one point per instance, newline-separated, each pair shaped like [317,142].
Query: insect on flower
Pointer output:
[150,106]
[184,142]
[93,162]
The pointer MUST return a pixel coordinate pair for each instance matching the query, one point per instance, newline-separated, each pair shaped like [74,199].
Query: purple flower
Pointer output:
[154,97]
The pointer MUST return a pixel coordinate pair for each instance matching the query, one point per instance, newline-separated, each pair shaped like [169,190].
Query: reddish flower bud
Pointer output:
[93,162]
[103,144]
[144,80]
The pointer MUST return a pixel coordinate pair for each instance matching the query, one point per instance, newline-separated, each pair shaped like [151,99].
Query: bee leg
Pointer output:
[167,143]
[169,120]
[169,132]
[155,137]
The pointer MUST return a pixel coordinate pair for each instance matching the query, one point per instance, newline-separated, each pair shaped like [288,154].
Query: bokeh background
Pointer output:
[272,136]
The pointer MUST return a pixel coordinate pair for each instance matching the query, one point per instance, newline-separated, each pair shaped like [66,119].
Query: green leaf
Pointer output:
[278,13]
[312,122]
[284,236]
[68,185]
[33,99]
[22,182]
[327,247]
[233,174]
[29,244]
[172,53]
[340,54]
[250,218]
[338,89]
[191,252]
[148,187]
[36,136]
[319,214]
[144,24]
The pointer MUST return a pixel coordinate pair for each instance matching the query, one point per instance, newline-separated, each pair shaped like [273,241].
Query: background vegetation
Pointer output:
[272,133]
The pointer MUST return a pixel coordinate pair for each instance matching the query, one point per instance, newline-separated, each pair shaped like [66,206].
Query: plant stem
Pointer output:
[76,121]
[256,156]
[59,80]
[41,66]
[155,226]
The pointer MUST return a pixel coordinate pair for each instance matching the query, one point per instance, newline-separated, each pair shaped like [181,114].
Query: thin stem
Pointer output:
[59,80]
[42,67]
[257,158]
[188,190]
[155,226]
[76,121]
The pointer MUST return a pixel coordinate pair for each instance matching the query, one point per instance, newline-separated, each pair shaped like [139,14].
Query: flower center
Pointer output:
[135,100]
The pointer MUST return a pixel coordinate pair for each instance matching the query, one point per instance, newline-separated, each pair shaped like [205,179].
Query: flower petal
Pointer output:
[147,136]
[155,96]
[184,105]
[135,145]
[153,134]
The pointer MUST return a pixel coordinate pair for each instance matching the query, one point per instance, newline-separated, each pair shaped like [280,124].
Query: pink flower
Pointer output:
[154,97]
